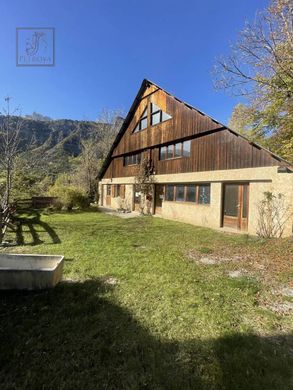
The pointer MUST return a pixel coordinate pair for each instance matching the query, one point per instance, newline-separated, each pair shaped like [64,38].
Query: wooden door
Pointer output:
[235,205]
[159,196]
[108,195]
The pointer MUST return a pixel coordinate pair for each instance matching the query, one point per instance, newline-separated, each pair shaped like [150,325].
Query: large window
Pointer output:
[132,159]
[193,193]
[156,116]
[180,149]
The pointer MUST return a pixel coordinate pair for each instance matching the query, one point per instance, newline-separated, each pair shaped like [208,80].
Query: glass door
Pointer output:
[235,206]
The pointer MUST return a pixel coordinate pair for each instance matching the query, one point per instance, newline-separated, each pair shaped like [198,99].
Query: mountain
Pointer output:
[62,135]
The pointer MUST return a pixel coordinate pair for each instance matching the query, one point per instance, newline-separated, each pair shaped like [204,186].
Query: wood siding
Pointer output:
[185,122]
[213,146]
[217,151]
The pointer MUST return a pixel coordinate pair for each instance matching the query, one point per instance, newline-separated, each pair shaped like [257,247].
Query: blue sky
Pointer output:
[105,48]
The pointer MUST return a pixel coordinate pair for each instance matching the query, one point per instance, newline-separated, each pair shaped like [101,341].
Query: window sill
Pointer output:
[188,203]
[174,158]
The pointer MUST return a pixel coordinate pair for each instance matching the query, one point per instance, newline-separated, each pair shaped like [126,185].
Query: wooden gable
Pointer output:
[185,122]
[213,145]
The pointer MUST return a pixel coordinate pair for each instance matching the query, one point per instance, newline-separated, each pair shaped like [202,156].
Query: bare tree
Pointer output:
[9,146]
[94,150]
[260,68]
[261,61]
[144,183]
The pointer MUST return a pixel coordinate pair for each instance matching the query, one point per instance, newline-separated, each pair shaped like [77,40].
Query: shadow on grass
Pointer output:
[75,337]
[33,222]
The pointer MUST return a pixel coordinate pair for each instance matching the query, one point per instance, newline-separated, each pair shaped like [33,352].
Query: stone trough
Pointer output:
[29,272]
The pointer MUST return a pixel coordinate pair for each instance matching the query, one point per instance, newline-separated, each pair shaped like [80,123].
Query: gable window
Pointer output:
[158,115]
[180,149]
[132,159]
[143,121]
[192,193]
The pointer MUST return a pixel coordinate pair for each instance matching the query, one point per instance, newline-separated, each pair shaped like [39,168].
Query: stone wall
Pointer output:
[260,180]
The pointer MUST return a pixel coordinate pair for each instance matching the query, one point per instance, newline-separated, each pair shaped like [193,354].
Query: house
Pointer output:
[205,173]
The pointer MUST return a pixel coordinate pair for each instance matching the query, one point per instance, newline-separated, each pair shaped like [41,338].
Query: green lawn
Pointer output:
[138,310]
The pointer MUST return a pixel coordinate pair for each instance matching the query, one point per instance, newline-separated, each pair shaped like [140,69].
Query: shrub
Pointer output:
[68,195]
[272,215]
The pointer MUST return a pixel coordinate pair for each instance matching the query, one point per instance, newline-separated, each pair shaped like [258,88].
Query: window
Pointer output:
[170,192]
[180,193]
[108,190]
[170,153]
[117,190]
[180,149]
[190,193]
[132,159]
[195,193]
[143,122]
[204,195]
[163,153]
[157,115]
[186,148]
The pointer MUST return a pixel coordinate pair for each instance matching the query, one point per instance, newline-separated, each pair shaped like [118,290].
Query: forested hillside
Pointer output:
[67,151]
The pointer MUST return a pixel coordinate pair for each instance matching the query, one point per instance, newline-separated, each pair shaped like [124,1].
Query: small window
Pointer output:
[170,192]
[156,118]
[180,193]
[163,153]
[178,150]
[186,148]
[165,116]
[170,152]
[204,194]
[132,159]
[190,193]
[108,189]
[117,190]
[143,122]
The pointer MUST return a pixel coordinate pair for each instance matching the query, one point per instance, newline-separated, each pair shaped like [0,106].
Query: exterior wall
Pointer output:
[209,152]
[117,202]
[260,180]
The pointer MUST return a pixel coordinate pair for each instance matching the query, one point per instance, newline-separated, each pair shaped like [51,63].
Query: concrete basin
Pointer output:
[29,272]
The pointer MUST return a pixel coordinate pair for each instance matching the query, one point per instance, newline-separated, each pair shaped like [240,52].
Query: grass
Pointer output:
[136,311]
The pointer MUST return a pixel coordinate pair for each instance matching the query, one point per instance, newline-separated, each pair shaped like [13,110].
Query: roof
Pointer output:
[145,84]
